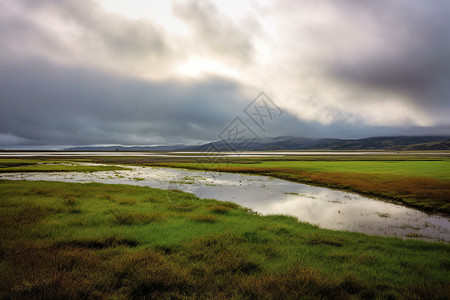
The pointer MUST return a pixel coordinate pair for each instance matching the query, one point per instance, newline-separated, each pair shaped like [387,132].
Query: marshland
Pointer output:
[125,227]
[210,149]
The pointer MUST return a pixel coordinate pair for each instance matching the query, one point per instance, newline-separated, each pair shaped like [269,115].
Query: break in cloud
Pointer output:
[91,72]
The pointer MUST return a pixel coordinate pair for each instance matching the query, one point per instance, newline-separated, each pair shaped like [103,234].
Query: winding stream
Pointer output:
[324,207]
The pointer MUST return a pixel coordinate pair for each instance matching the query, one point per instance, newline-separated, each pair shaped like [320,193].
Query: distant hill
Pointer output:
[439,145]
[299,143]
[383,143]
[394,143]
[276,143]
[126,148]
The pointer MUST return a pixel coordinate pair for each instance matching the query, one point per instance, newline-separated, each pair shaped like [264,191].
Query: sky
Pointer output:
[139,72]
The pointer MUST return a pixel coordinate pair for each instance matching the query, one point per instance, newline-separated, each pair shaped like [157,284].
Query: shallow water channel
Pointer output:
[324,207]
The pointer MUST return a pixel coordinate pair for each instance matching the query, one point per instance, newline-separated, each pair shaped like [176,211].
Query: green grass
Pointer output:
[66,240]
[33,165]
[432,169]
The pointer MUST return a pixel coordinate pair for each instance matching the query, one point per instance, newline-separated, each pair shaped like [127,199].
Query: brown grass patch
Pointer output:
[25,215]
[182,207]
[126,201]
[219,209]
[98,244]
[130,218]
[204,218]
[46,272]
[297,283]
[366,259]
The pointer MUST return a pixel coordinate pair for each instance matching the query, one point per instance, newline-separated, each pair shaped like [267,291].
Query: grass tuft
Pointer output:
[98,244]
[204,218]
[131,218]
[219,209]
[297,283]
[319,240]
[126,201]
[187,207]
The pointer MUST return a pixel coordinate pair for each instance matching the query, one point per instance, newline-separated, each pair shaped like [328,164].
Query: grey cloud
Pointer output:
[77,102]
[44,104]
[115,33]
[399,46]
[20,33]
[216,34]
[416,61]
[50,104]
[86,30]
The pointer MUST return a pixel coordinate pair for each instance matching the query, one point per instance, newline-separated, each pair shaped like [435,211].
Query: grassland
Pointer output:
[75,241]
[48,165]
[432,169]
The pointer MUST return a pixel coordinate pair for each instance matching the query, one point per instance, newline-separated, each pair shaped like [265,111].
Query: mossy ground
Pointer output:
[50,165]
[73,241]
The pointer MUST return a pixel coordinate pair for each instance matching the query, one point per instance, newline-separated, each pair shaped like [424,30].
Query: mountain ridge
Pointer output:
[394,143]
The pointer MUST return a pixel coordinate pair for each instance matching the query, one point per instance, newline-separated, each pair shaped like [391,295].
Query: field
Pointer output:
[48,165]
[432,169]
[74,241]
[78,241]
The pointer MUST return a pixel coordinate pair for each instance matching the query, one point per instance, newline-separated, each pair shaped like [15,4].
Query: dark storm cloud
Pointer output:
[47,104]
[48,96]
[50,104]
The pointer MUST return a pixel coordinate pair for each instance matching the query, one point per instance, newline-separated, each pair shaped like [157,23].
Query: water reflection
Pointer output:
[321,206]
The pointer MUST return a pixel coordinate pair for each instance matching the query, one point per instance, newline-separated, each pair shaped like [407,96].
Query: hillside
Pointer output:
[393,143]
[301,143]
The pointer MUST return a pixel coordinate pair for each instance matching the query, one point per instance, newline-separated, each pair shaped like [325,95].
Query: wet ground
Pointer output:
[324,207]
